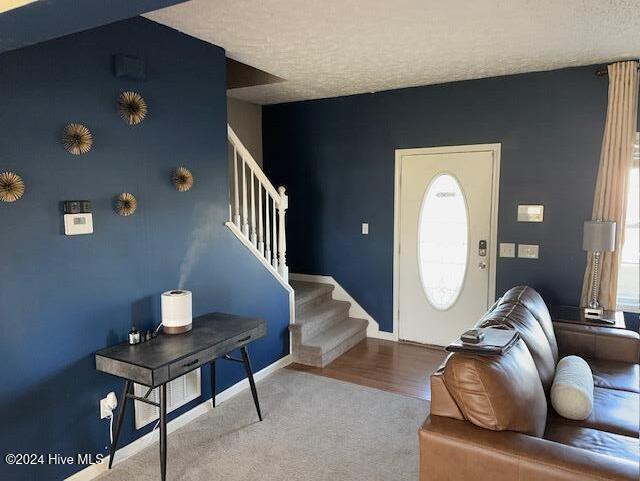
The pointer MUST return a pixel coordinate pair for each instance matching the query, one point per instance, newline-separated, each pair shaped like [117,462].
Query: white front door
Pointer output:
[445,234]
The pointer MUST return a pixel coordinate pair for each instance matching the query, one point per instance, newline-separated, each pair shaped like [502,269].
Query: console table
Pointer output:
[156,362]
[575,315]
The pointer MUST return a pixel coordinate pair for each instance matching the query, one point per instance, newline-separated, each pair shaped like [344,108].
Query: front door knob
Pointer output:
[482,265]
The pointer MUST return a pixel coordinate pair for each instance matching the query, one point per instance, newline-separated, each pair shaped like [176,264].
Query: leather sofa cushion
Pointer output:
[597,342]
[455,450]
[614,411]
[518,317]
[499,393]
[529,298]
[623,376]
[609,444]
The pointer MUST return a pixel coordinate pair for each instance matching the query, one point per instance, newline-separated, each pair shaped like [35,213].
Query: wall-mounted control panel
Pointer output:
[76,224]
[528,251]
[77,217]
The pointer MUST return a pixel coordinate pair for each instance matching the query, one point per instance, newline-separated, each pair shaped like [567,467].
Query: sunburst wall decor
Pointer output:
[132,107]
[126,204]
[182,179]
[11,187]
[77,139]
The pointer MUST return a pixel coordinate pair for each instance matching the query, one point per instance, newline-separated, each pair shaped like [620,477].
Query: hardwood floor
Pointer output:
[391,366]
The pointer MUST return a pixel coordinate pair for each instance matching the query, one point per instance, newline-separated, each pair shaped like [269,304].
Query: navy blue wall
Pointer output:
[62,298]
[336,158]
[43,20]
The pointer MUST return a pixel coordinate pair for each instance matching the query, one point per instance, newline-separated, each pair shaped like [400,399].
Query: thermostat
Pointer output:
[76,224]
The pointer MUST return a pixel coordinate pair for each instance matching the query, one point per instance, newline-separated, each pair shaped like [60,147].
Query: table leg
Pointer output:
[119,419]
[247,367]
[163,432]
[213,382]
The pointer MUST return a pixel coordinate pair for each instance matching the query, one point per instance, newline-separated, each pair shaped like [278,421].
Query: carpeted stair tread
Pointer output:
[308,291]
[321,312]
[336,334]
[323,329]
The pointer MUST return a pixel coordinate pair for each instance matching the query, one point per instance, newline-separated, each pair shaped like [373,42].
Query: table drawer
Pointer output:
[194,361]
[187,364]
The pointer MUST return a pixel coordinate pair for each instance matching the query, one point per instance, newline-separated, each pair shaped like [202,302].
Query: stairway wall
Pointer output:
[62,298]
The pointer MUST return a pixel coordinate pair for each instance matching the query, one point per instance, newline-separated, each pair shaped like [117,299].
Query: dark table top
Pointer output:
[575,315]
[208,330]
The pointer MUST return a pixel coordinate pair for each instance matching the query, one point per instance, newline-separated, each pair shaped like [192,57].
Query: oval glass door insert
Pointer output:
[443,235]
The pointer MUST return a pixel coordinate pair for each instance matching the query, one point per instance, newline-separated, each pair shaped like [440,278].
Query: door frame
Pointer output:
[495,149]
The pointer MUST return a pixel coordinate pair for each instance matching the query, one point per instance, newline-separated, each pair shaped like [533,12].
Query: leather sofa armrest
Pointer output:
[597,342]
[454,449]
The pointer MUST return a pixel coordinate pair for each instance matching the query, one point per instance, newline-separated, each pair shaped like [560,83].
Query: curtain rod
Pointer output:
[603,71]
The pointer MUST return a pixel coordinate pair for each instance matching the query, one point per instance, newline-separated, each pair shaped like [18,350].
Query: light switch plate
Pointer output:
[365,228]
[528,251]
[507,249]
[530,213]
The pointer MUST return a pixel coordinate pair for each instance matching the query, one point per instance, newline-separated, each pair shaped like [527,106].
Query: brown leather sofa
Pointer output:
[491,418]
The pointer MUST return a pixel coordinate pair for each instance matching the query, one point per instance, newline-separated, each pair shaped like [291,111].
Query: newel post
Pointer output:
[282,242]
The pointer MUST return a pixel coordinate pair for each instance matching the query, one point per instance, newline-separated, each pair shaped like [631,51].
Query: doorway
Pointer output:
[446,206]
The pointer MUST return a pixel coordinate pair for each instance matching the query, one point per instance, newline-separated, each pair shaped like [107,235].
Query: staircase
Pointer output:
[323,329]
[320,326]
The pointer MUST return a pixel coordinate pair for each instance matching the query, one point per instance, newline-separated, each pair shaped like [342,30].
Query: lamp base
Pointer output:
[593,312]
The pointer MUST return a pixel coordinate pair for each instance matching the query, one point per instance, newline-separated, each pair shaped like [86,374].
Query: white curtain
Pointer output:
[610,200]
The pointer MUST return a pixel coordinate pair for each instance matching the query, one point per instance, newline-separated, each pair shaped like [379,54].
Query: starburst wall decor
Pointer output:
[126,204]
[132,107]
[77,139]
[11,187]
[182,179]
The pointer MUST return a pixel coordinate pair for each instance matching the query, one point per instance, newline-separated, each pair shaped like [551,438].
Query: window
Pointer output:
[629,273]
[442,240]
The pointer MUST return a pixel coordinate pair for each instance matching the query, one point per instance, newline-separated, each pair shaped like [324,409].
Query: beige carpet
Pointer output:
[314,428]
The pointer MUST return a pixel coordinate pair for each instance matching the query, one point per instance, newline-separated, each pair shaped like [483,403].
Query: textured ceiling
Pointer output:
[328,48]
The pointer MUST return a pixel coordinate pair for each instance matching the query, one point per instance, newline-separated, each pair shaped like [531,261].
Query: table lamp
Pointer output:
[599,236]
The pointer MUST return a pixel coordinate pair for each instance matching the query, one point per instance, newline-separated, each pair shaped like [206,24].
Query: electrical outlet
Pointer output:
[107,405]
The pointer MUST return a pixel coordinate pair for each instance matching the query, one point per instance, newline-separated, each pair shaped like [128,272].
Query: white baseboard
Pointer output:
[356,310]
[93,471]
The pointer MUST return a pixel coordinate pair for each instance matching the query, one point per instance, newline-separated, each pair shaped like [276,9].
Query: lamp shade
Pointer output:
[599,236]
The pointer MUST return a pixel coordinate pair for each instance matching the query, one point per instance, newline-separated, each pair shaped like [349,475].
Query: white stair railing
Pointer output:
[256,209]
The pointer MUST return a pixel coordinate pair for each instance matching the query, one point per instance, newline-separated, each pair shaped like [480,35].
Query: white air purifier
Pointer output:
[176,311]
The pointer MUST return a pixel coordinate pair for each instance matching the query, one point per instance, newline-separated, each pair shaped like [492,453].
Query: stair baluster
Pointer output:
[236,211]
[254,237]
[282,246]
[260,236]
[263,231]
[245,209]
[267,253]
[274,261]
